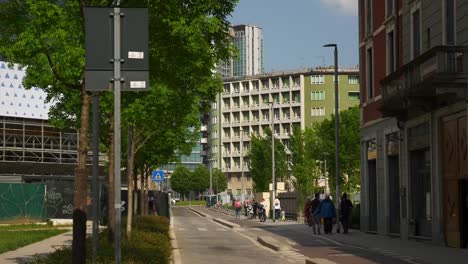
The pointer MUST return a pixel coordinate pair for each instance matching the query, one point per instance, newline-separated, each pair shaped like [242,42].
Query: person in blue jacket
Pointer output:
[327,210]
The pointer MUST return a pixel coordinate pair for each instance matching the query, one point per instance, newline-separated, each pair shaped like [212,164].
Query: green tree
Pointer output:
[349,148]
[200,179]
[260,161]
[186,39]
[219,181]
[180,180]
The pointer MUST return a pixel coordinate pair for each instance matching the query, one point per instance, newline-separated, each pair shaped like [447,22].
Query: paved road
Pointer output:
[200,240]
[334,247]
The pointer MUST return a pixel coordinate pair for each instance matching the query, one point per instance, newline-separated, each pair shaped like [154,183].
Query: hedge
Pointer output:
[148,243]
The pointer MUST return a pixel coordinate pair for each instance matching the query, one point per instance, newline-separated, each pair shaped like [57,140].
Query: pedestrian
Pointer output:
[277,206]
[345,212]
[238,207]
[246,203]
[254,205]
[327,211]
[316,218]
[308,212]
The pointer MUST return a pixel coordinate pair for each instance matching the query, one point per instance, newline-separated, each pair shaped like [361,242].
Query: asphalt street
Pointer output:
[200,240]
[334,247]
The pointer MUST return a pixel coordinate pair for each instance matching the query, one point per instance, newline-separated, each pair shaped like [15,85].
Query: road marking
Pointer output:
[180,229]
[202,229]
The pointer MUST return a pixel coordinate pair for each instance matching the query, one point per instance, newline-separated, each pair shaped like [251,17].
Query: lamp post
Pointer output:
[211,179]
[337,122]
[242,164]
[272,162]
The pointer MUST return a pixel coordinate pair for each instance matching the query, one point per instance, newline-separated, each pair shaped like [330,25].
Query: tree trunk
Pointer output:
[110,180]
[80,198]
[142,191]
[130,185]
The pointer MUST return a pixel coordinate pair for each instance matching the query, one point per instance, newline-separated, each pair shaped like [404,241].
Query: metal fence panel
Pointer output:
[288,201]
[59,199]
[22,200]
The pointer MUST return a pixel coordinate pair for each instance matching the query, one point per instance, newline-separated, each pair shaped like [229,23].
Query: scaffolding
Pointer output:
[36,141]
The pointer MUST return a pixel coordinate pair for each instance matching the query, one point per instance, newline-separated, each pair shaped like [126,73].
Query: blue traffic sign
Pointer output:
[158,176]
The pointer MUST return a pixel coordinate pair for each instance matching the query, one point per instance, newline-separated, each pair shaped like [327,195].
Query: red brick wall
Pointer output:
[380,60]
[371,112]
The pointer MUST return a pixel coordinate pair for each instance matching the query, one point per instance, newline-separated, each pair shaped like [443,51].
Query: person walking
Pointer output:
[308,212]
[316,218]
[277,206]
[345,212]
[254,205]
[238,207]
[327,211]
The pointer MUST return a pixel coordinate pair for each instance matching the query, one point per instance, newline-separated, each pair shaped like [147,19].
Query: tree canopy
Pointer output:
[260,161]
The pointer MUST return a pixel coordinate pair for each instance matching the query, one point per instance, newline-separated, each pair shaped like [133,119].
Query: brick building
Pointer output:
[414,161]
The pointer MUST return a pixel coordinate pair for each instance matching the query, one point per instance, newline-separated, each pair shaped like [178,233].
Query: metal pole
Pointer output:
[337,142]
[272,162]
[326,177]
[242,164]
[117,198]
[211,177]
[95,181]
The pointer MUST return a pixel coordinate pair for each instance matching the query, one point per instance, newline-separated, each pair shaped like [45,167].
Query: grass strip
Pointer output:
[12,240]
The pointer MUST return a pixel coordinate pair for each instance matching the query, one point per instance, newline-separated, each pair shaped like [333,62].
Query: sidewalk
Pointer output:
[41,248]
[356,247]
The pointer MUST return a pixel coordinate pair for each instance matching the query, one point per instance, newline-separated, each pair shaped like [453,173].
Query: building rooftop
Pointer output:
[316,70]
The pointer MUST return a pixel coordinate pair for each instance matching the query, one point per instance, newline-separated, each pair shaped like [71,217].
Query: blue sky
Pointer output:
[294,31]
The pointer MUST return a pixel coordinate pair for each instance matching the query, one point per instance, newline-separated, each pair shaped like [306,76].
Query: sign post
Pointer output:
[116,55]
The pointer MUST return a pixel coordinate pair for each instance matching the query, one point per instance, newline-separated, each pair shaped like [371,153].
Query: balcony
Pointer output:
[434,79]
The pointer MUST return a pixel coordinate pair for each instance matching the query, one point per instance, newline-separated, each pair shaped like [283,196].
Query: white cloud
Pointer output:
[348,7]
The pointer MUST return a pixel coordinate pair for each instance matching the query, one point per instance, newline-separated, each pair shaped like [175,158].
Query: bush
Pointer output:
[148,243]
[152,223]
[145,247]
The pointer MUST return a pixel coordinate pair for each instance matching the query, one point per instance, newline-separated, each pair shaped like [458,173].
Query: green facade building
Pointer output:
[246,104]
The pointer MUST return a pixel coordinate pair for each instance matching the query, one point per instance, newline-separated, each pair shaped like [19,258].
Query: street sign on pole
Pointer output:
[116,42]
[99,44]
[158,176]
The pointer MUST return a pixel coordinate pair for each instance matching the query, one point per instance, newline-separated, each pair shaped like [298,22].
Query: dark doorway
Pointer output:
[421,222]
[454,179]
[394,191]
[372,173]
[464,212]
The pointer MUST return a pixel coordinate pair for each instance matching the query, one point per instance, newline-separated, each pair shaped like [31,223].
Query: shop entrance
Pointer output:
[455,179]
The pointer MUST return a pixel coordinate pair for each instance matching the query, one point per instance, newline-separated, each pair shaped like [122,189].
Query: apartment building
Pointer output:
[414,162]
[248,40]
[299,97]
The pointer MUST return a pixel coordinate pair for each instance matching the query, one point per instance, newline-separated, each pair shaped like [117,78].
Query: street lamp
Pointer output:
[337,121]
[272,161]
[211,179]
[242,163]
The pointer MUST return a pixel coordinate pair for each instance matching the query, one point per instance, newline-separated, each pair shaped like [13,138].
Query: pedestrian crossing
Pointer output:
[293,256]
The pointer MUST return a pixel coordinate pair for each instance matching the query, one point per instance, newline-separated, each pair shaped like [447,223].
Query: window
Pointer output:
[229,191]
[390,52]
[214,106]
[215,120]
[317,79]
[318,95]
[318,111]
[390,8]
[238,191]
[370,74]
[449,22]
[334,79]
[353,79]
[353,95]
[369,16]
[416,28]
